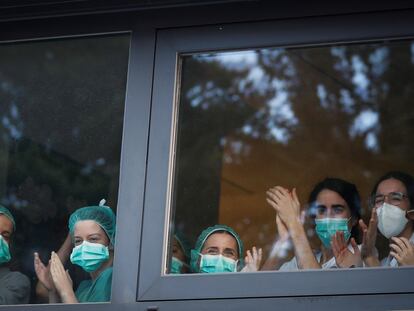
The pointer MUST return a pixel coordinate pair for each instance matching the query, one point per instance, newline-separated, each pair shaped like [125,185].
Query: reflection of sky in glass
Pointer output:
[323,95]
[11,118]
[280,109]
[412,53]
[379,61]
[342,65]
[366,123]
[360,79]
[12,123]
[236,60]
[347,101]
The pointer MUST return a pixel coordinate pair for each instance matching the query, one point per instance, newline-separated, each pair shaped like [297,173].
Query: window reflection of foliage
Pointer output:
[212,107]
[61,111]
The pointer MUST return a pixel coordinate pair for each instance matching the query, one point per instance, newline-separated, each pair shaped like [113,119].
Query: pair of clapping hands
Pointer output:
[401,248]
[53,277]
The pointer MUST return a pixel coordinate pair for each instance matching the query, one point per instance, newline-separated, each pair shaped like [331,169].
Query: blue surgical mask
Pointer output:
[327,227]
[4,250]
[176,265]
[89,256]
[217,263]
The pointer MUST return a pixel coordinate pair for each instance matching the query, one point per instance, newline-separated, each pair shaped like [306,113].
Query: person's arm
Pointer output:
[278,254]
[288,207]
[369,236]
[65,250]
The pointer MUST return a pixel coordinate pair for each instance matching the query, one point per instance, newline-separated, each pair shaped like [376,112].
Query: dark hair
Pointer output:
[347,191]
[405,178]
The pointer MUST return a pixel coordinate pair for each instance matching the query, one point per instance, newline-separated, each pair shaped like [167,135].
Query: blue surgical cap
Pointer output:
[4,211]
[102,215]
[202,238]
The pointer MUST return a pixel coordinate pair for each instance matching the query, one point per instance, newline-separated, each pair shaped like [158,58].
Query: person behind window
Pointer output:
[92,229]
[14,286]
[180,255]
[392,201]
[220,249]
[335,205]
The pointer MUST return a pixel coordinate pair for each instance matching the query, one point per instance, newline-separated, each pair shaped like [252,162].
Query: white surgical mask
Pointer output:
[391,220]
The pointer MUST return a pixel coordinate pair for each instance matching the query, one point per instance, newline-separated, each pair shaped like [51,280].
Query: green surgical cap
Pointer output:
[102,215]
[202,238]
[183,243]
[4,211]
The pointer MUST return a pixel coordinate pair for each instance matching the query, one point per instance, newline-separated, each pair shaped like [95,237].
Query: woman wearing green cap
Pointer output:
[14,286]
[180,255]
[220,249]
[92,229]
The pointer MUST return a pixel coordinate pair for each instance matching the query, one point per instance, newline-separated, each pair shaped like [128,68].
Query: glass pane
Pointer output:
[61,112]
[322,123]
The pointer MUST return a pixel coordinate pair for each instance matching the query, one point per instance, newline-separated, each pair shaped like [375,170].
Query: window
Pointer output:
[62,107]
[205,179]
[291,117]
[147,185]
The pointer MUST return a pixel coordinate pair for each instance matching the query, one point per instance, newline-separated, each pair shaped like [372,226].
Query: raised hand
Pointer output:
[43,273]
[287,207]
[402,251]
[252,260]
[62,280]
[285,204]
[369,236]
[343,256]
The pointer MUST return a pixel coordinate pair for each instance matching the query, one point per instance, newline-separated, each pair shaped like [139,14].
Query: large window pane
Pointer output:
[61,112]
[252,120]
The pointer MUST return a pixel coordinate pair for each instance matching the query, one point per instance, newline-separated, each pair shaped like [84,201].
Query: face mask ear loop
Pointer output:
[238,265]
[409,211]
[200,257]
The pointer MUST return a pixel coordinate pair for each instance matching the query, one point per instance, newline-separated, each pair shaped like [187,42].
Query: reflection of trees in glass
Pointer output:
[212,106]
[293,116]
[61,117]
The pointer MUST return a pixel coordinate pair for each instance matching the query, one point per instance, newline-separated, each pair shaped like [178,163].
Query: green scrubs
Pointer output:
[96,291]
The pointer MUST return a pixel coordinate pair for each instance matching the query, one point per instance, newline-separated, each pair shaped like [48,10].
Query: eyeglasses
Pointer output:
[394,198]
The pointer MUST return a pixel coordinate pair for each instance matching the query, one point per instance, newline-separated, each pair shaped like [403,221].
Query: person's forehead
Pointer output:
[86,227]
[221,240]
[328,197]
[391,185]
[5,223]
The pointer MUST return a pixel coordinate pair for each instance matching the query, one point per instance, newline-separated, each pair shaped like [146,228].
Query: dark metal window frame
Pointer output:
[171,43]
